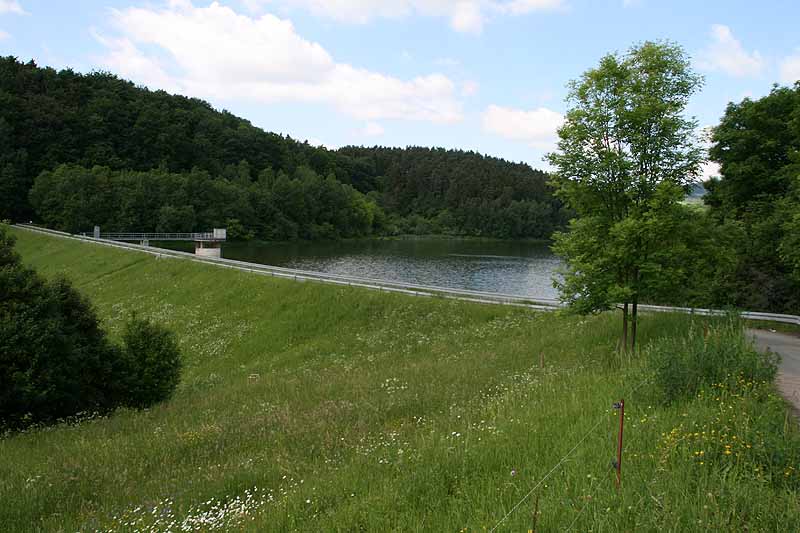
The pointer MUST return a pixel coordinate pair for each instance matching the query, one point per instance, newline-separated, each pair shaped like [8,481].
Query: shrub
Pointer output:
[153,363]
[55,359]
[715,354]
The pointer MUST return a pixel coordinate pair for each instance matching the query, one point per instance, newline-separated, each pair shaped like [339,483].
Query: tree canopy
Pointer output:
[757,145]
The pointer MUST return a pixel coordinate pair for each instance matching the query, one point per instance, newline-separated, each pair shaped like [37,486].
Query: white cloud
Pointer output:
[469,88]
[373,129]
[708,170]
[313,141]
[523,7]
[353,11]
[4,35]
[727,55]
[538,128]
[464,15]
[790,68]
[131,63]
[214,52]
[467,17]
[11,6]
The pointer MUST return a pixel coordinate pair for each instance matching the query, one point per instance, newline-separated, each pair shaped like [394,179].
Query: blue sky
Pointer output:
[485,75]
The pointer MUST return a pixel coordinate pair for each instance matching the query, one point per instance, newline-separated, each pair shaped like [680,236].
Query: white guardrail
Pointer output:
[544,304]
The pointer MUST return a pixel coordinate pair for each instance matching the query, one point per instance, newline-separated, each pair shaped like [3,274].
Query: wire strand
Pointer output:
[546,476]
[586,503]
[560,462]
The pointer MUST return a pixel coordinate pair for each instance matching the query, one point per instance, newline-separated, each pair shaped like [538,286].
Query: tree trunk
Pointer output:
[635,312]
[634,320]
[625,327]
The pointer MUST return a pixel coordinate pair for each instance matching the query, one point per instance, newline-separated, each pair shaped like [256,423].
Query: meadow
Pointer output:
[311,407]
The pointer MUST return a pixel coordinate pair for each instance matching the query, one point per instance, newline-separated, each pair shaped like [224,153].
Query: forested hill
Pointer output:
[83,149]
[464,191]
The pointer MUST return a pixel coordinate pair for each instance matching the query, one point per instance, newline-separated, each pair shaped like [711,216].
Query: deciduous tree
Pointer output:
[626,154]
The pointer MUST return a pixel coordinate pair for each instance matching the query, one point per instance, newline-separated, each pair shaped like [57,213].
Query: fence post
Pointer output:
[618,464]
[535,515]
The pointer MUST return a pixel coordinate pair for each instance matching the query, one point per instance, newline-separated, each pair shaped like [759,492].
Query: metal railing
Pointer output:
[544,304]
[204,236]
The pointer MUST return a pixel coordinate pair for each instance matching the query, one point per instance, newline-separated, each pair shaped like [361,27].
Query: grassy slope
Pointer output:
[372,412]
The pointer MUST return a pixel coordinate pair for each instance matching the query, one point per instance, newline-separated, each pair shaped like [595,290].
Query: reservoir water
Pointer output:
[509,267]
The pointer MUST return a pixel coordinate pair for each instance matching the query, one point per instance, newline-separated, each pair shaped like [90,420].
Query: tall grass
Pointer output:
[715,354]
[312,407]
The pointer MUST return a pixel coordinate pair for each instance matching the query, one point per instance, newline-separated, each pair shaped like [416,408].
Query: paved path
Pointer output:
[788,347]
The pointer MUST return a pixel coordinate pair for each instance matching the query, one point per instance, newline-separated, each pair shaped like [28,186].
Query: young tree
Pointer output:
[626,155]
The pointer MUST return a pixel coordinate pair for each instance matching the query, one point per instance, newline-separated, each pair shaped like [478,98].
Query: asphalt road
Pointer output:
[788,347]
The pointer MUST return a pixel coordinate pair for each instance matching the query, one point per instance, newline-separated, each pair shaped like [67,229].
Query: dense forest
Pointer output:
[83,149]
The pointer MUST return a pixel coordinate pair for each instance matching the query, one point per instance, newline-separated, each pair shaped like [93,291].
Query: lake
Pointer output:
[509,267]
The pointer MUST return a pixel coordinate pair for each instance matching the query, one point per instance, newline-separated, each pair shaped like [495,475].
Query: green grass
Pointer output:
[382,412]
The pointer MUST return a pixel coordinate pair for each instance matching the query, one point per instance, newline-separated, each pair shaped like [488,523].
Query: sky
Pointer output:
[483,75]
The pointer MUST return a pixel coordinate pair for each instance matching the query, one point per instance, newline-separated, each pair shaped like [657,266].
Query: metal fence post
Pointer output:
[618,464]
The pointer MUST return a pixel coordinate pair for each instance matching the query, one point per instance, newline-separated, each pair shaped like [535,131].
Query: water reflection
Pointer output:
[519,268]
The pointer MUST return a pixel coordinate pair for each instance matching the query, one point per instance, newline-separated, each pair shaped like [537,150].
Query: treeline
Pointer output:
[273,207]
[97,123]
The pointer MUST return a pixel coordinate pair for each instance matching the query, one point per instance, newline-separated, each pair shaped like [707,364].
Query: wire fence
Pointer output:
[602,418]
[592,487]
[550,473]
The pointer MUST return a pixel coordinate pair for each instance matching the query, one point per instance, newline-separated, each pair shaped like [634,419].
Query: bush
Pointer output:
[715,354]
[56,361]
[153,363]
